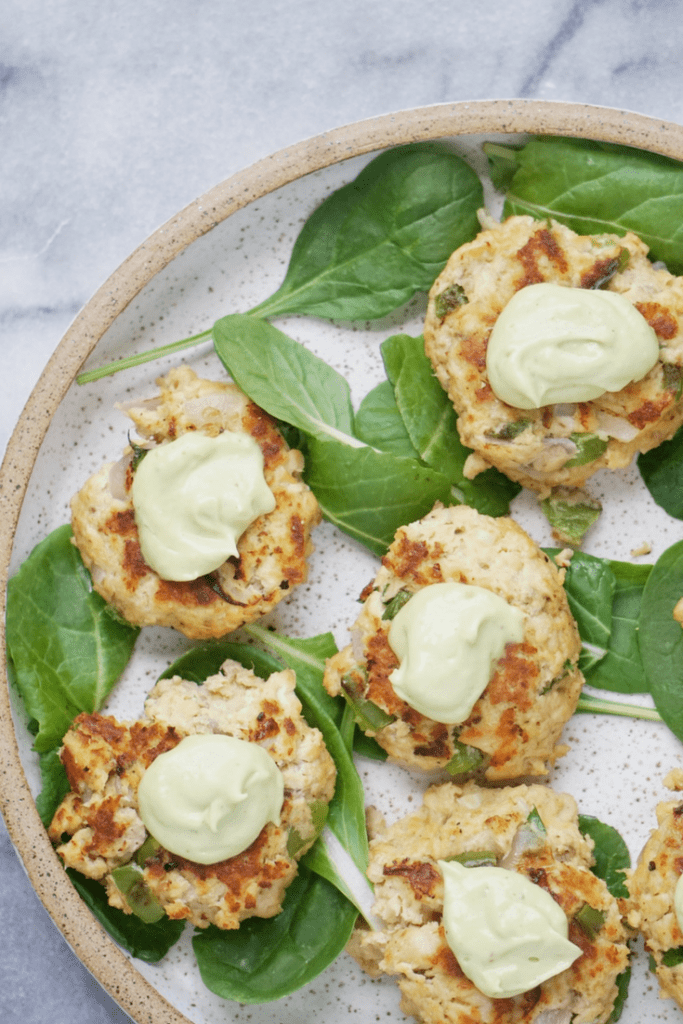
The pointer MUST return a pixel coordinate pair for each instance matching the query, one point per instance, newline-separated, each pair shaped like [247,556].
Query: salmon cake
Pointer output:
[272,551]
[514,727]
[561,444]
[652,887]
[528,830]
[98,829]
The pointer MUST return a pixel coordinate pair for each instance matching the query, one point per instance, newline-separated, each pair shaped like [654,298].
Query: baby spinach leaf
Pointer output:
[612,859]
[369,494]
[346,818]
[590,585]
[386,235]
[366,493]
[425,408]
[671,957]
[284,377]
[604,597]
[307,657]
[611,854]
[596,188]
[662,472]
[490,492]
[204,660]
[622,982]
[267,959]
[622,669]
[660,636]
[55,785]
[379,423]
[146,941]
[67,650]
[430,422]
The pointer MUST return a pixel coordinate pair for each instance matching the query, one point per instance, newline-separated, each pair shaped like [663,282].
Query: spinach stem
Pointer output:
[598,706]
[142,357]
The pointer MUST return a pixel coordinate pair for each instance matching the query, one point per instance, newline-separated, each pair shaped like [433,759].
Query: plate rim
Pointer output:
[86,937]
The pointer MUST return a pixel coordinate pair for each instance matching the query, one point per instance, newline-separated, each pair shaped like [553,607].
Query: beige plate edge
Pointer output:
[85,936]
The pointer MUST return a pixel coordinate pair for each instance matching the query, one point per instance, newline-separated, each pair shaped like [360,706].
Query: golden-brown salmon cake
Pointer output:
[514,727]
[97,827]
[272,551]
[408,887]
[538,447]
[652,886]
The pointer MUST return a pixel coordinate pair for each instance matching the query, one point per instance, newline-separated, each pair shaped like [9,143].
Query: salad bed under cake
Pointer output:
[515,726]
[272,551]
[545,448]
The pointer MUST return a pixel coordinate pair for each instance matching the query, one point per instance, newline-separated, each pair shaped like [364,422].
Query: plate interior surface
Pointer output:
[614,767]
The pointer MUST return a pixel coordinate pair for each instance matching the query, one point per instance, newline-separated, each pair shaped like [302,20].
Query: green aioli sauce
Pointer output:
[194,498]
[209,797]
[507,934]
[448,638]
[559,344]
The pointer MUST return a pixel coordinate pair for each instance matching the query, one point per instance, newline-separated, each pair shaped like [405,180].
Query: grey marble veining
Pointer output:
[114,116]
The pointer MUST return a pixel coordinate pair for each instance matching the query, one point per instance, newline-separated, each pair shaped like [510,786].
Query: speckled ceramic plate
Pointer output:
[224,253]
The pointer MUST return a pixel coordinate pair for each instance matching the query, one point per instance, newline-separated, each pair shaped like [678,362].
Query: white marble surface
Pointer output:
[114,116]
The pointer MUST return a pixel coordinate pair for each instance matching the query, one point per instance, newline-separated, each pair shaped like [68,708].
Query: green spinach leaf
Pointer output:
[596,188]
[662,473]
[204,660]
[425,408]
[67,649]
[430,422]
[622,982]
[346,818]
[590,585]
[612,859]
[148,942]
[605,599]
[369,494]
[55,785]
[366,493]
[611,854]
[660,637]
[267,959]
[283,377]
[386,235]
[379,423]
[370,245]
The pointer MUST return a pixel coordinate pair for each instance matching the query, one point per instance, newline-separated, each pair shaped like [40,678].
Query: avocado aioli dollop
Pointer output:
[194,497]
[552,343]
[448,638]
[508,935]
[208,798]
